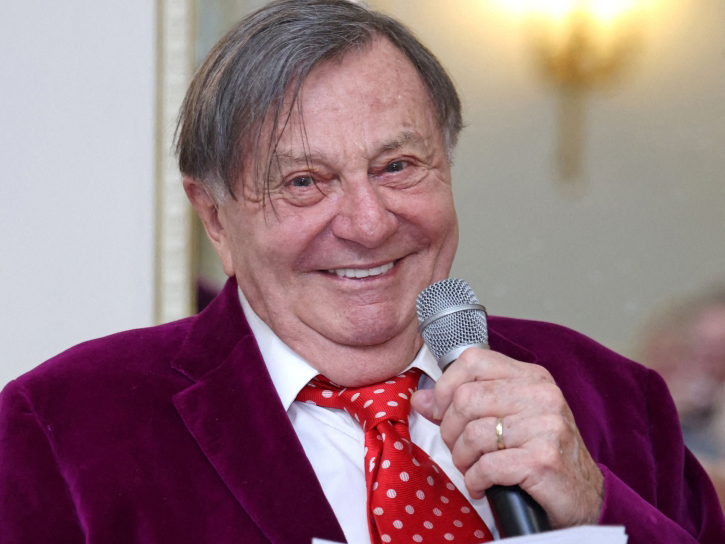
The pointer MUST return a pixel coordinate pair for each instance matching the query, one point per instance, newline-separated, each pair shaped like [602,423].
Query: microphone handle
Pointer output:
[515,512]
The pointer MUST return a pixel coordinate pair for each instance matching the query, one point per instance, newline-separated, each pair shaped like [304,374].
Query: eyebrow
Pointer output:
[407,137]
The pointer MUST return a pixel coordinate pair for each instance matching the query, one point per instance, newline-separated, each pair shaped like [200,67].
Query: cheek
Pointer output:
[448,244]
[438,220]
[276,242]
[436,216]
[451,230]
[250,239]
[446,220]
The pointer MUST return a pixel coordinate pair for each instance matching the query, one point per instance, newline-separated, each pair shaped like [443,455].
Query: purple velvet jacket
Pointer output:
[175,434]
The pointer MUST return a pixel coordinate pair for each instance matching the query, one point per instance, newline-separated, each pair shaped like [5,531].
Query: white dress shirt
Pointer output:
[334,442]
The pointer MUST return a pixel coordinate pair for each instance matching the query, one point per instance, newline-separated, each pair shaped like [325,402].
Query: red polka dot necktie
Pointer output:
[410,499]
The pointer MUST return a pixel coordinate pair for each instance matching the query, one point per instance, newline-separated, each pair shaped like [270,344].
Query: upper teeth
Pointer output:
[360,273]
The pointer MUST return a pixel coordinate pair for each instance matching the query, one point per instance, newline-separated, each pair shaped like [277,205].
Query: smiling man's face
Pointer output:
[359,219]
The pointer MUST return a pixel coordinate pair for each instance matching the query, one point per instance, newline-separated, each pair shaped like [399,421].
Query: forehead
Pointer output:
[366,99]
[379,73]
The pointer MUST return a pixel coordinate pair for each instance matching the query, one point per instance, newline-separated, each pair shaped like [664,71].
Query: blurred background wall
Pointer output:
[77,134]
[645,223]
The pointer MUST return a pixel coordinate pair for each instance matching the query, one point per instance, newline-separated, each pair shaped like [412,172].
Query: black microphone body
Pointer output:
[515,512]
[451,321]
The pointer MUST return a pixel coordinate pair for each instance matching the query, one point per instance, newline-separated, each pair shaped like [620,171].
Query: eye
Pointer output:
[303,181]
[396,166]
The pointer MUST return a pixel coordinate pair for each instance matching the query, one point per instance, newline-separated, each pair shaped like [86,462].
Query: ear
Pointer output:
[208,211]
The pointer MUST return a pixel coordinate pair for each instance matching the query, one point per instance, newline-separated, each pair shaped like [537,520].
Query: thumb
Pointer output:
[422,402]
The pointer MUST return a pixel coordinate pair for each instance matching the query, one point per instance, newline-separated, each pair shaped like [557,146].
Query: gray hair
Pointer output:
[247,76]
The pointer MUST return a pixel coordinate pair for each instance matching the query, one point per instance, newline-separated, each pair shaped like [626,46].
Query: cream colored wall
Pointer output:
[77,153]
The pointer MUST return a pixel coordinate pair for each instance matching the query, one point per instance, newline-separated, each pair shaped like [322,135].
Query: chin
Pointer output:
[367,337]
[373,329]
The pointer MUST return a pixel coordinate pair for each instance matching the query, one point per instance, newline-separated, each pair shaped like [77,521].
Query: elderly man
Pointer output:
[316,142]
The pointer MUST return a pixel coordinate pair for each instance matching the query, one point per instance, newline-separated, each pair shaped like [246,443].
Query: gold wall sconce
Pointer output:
[580,46]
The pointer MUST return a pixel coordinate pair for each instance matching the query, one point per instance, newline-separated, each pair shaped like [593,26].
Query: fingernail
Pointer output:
[422,400]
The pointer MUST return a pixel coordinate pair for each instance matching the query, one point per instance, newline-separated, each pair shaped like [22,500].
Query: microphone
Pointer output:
[452,320]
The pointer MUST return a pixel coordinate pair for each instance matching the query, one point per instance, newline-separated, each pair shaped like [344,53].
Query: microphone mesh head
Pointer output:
[458,329]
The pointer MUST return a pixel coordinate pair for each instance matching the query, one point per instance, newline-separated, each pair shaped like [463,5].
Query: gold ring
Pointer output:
[499,434]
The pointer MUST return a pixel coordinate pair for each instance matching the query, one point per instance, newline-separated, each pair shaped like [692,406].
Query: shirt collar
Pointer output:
[290,372]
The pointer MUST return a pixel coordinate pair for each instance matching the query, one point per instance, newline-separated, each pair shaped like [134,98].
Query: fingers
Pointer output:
[544,452]
[479,365]
[479,436]
[475,365]
[499,398]
[569,488]
[422,402]
[503,467]
[527,467]
[472,400]
[476,400]
[478,439]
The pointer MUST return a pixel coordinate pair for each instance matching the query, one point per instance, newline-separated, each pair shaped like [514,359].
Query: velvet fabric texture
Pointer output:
[175,434]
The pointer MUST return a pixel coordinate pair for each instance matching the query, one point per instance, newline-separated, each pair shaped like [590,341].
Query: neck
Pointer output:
[349,365]
[356,366]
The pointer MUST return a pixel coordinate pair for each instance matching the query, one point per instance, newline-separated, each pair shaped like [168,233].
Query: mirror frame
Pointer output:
[174,295]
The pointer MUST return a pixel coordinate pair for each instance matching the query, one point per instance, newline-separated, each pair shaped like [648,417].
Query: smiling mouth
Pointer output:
[362,272]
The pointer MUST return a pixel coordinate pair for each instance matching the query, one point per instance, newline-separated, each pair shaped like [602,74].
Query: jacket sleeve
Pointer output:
[686,508]
[35,501]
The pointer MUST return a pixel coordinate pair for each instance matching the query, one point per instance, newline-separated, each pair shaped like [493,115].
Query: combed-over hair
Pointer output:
[247,76]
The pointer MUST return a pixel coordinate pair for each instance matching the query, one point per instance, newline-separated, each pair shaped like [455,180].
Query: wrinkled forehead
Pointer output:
[366,81]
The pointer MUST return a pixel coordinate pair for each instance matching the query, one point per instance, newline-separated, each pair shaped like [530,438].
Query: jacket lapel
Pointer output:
[234,413]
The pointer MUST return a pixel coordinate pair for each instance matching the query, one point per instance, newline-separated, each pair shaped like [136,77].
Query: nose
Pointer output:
[363,215]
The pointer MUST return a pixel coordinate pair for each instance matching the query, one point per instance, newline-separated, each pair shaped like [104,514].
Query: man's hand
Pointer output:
[544,452]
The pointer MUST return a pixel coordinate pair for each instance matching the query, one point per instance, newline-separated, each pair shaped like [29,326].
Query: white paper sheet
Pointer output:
[591,534]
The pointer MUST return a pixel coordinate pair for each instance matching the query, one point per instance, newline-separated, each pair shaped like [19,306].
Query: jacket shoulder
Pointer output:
[121,358]
[559,346]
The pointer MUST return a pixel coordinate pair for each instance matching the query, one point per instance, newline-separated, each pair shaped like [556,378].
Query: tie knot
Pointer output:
[369,405]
